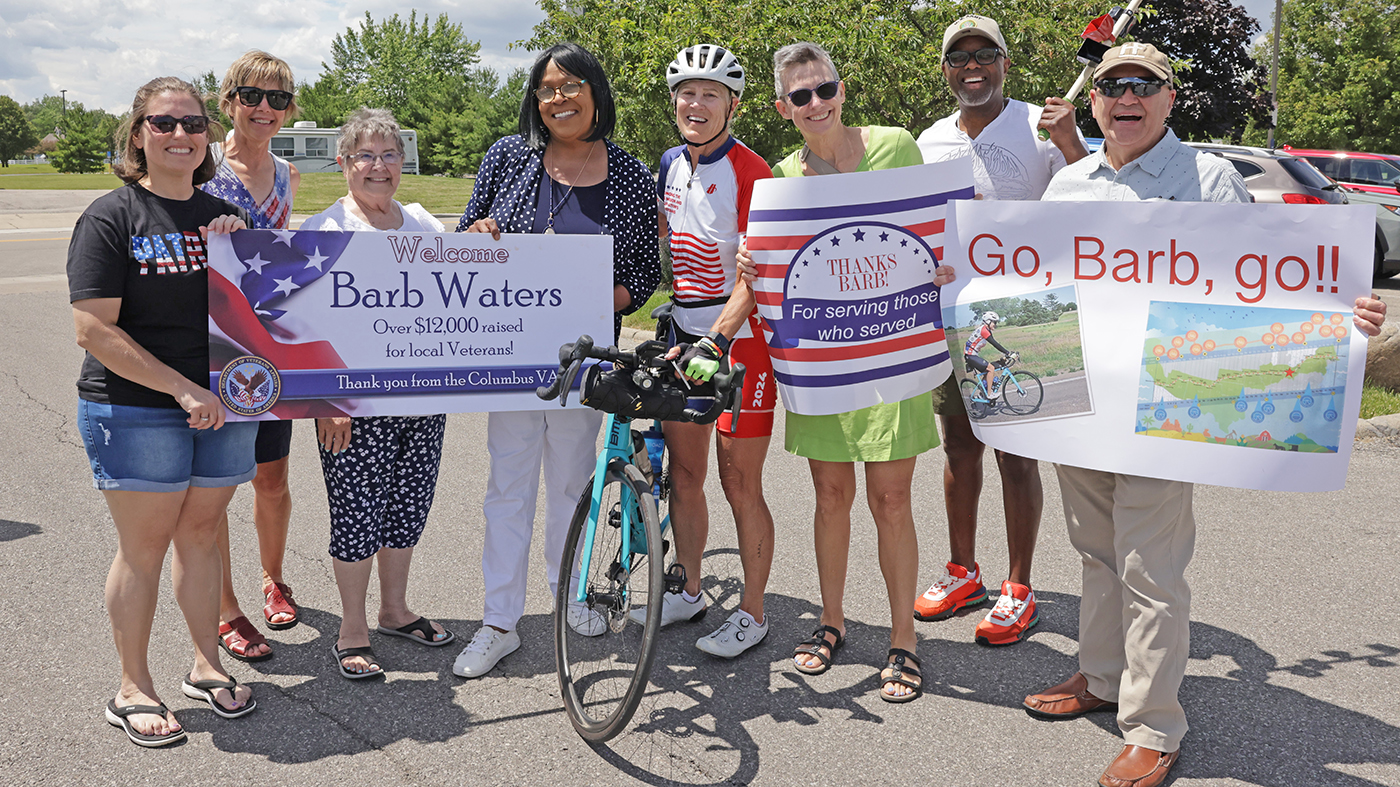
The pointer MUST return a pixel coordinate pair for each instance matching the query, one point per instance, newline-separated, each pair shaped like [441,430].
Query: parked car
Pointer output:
[1273,176]
[1370,178]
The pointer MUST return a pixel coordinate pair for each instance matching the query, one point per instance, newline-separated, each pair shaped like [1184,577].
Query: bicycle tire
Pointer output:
[1024,393]
[975,410]
[602,678]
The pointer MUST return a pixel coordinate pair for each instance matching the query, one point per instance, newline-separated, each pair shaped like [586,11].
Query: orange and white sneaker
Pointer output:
[957,589]
[1011,619]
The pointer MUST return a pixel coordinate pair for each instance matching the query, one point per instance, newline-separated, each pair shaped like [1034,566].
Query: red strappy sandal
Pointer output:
[237,636]
[279,602]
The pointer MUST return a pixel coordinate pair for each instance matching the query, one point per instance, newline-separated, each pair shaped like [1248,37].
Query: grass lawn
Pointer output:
[439,195]
[1378,401]
[641,318]
[1048,349]
[44,176]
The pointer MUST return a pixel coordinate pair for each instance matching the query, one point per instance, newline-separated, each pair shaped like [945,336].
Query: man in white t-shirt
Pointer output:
[1009,161]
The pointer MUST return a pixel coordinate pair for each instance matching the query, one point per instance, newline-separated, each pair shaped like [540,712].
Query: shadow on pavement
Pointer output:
[14,531]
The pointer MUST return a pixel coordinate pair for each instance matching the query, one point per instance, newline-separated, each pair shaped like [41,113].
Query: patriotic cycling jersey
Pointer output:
[707,215]
[979,339]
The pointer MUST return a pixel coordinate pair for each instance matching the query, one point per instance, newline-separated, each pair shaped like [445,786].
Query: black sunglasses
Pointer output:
[1114,88]
[985,56]
[252,96]
[165,124]
[825,91]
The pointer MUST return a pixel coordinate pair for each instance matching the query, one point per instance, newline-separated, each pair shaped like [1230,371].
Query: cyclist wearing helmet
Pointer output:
[979,339]
[705,186]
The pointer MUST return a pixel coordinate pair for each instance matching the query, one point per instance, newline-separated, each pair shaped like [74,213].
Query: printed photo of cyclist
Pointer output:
[705,186]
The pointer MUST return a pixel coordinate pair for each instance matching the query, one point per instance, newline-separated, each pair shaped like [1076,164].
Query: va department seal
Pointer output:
[249,385]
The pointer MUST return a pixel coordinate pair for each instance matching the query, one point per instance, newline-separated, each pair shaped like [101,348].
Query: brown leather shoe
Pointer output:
[1066,701]
[1137,766]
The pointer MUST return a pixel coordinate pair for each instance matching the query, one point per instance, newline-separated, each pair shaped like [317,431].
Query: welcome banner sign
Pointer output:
[845,283]
[314,323]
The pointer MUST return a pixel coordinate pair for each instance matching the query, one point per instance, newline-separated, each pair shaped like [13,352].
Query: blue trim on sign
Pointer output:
[864,209]
[831,381]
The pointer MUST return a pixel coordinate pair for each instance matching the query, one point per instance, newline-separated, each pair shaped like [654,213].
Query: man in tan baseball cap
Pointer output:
[973,25]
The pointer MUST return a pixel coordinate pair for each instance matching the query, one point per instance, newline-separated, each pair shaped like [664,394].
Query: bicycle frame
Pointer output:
[618,448]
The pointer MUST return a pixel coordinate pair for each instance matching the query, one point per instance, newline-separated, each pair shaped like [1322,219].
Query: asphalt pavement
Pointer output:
[1293,679]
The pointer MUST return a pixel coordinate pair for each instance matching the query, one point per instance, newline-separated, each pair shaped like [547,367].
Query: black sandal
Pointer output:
[813,647]
[366,653]
[898,669]
[204,690]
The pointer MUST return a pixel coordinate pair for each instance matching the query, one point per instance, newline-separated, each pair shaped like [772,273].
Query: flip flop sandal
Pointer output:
[117,717]
[204,690]
[367,653]
[899,669]
[239,634]
[421,626]
[279,602]
[814,646]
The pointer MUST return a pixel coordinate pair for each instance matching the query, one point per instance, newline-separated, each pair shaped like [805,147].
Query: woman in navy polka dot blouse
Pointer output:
[560,174]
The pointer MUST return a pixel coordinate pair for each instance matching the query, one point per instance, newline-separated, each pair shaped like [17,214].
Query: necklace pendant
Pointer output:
[549,230]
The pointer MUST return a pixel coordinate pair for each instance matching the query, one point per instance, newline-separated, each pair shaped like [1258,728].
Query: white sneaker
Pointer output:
[737,635]
[585,621]
[487,647]
[674,608]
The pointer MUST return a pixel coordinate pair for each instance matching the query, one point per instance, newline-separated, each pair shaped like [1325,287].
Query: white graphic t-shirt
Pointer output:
[1009,162]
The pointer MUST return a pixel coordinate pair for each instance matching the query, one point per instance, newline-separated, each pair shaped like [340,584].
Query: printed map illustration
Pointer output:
[1239,376]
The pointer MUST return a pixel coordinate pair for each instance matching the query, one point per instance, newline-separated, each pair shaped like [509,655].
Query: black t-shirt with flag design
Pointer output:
[146,250]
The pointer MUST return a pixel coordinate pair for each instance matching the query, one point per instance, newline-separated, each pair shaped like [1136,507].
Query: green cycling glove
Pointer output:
[701,360]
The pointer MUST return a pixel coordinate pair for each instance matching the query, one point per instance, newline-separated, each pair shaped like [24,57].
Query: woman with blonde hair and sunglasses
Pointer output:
[155,436]
[257,98]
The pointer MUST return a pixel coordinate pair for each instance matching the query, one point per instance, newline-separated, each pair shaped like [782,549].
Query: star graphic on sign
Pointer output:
[816,251]
[884,236]
[1288,373]
[860,235]
[804,263]
[315,260]
[284,236]
[285,286]
[903,241]
[835,241]
[256,263]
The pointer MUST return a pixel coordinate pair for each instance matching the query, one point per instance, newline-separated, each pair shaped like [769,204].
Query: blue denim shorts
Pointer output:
[154,449]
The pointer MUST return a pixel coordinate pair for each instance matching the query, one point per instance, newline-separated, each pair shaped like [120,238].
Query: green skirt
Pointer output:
[881,433]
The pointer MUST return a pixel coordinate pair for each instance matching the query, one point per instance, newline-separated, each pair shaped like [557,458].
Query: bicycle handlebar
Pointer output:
[639,385]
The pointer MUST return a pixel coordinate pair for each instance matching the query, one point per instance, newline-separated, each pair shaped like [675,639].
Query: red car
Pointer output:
[1369,177]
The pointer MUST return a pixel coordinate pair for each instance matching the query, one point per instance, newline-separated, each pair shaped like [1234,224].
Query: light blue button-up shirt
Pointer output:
[1169,171]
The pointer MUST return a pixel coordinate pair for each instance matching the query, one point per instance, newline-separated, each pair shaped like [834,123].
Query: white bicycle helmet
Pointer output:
[706,61]
[989,318]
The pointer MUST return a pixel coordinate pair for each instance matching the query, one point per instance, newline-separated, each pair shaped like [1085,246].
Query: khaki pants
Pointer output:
[1135,536]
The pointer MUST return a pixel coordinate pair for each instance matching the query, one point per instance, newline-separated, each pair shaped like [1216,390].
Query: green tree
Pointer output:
[1339,75]
[82,146]
[208,84]
[16,134]
[45,114]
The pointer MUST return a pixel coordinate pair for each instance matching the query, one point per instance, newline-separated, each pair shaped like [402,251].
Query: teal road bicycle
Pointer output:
[614,553]
[1019,392]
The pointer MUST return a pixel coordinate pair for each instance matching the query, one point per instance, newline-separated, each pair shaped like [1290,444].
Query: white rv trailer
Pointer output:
[312,149]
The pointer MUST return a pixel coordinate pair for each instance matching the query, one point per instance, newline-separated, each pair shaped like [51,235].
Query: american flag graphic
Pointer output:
[696,268]
[245,318]
[845,283]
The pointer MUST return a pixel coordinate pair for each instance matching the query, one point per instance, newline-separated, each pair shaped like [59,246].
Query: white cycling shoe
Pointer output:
[674,609]
[739,633]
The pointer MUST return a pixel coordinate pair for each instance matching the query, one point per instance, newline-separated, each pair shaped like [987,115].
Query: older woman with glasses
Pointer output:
[257,98]
[381,471]
[886,437]
[160,451]
[560,174]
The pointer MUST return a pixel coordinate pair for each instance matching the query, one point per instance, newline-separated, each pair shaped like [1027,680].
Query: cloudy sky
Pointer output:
[102,50]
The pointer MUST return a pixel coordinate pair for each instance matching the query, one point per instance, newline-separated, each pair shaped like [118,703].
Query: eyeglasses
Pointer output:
[567,90]
[985,56]
[1114,88]
[252,96]
[825,91]
[390,158]
[165,124]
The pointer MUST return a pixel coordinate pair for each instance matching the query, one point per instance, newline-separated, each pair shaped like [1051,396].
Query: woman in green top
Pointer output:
[887,437]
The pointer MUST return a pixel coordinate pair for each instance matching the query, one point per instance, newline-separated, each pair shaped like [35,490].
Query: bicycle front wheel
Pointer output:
[976,409]
[1023,393]
[602,654]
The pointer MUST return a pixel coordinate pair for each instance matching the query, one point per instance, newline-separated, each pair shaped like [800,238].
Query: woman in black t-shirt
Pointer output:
[155,435]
